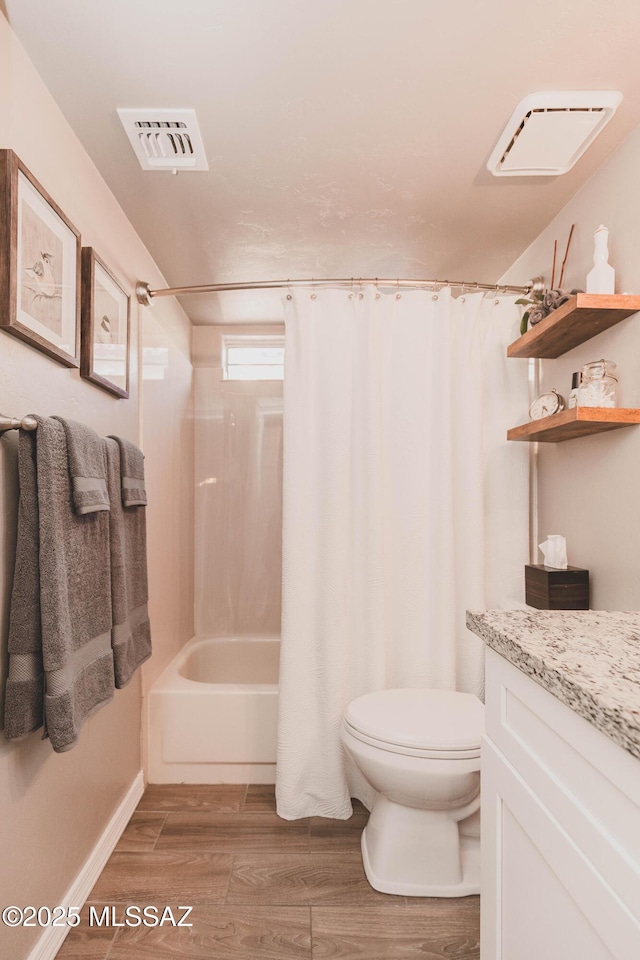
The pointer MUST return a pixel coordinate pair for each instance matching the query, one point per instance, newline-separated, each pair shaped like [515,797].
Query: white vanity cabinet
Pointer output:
[560,829]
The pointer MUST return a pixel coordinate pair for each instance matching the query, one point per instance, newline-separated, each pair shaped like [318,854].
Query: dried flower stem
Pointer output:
[566,254]
[553,269]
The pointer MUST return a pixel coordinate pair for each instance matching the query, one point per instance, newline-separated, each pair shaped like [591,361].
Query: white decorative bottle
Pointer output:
[602,278]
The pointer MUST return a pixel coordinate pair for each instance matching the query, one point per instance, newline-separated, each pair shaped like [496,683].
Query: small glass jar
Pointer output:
[597,384]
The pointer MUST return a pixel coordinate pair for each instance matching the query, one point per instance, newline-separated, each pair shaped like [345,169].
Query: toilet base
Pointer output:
[419,853]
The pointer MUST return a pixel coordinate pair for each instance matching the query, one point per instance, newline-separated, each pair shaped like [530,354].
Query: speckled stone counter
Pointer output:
[588,659]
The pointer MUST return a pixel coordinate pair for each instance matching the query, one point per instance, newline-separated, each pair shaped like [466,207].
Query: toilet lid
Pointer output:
[424,719]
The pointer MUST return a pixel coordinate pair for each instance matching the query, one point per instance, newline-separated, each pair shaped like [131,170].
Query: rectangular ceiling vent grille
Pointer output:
[548,132]
[165,139]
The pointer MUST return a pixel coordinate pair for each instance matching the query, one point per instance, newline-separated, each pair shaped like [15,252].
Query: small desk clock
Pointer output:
[546,405]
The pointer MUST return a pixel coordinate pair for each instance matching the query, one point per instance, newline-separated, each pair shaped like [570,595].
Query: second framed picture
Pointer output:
[106,327]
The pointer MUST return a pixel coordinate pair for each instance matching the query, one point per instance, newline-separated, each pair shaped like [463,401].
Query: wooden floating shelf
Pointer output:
[577,422]
[583,316]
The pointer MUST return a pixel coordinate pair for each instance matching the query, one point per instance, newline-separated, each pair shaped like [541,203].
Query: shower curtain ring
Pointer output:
[313,288]
[398,294]
[289,297]
[462,296]
[360,293]
[377,291]
[352,285]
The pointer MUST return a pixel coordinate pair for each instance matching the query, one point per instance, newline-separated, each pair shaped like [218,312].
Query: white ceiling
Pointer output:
[344,137]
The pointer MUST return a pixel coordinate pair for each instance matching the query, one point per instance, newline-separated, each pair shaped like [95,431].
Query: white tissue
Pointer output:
[554,551]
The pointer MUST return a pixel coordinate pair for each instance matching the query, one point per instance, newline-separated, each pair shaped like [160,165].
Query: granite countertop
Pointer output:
[588,659]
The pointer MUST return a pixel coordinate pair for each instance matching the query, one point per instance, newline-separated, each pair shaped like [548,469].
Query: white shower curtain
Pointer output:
[404,505]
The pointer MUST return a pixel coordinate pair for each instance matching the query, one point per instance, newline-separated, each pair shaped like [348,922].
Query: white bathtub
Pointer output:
[213,713]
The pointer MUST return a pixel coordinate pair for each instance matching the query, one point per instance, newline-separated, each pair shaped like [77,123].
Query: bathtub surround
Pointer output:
[238,509]
[70,633]
[131,630]
[169,481]
[402,500]
[79,791]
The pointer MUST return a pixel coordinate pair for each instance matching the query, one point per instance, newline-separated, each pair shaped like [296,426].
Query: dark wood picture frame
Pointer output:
[62,285]
[91,323]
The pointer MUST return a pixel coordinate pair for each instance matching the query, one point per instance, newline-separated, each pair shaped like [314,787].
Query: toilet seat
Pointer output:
[418,722]
[412,751]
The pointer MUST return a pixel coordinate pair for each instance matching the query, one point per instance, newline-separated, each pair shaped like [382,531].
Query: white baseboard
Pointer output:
[211,772]
[53,937]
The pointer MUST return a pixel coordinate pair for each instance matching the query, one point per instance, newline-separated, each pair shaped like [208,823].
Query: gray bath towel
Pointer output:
[87,465]
[24,698]
[132,473]
[131,632]
[72,578]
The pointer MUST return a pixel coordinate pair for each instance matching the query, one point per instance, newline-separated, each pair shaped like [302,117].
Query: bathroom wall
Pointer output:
[589,486]
[238,493]
[53,808]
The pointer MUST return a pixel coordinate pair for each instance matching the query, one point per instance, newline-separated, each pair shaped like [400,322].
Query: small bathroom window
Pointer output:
[253,358]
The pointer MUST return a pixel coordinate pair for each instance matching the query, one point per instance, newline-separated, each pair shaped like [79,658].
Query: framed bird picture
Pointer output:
[39,265]
[106,327]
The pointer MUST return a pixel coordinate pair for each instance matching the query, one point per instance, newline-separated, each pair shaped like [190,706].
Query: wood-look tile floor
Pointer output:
[261,888]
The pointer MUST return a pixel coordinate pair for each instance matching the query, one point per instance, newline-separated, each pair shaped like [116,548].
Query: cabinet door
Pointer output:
[541,896]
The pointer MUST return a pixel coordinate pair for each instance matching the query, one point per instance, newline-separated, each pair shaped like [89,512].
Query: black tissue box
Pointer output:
[550,589]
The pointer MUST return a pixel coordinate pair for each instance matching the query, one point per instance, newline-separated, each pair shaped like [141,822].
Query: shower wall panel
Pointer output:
[238,460]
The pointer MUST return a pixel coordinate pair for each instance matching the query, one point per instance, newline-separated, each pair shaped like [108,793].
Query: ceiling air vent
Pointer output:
[165,139]
[549,132]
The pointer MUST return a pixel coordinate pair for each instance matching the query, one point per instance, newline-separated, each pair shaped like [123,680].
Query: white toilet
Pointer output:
[420,749]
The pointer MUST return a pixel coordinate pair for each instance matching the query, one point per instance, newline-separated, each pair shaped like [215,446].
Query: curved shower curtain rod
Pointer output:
[146,295]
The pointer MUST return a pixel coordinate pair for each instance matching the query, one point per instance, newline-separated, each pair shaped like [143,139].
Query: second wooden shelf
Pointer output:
[577,422]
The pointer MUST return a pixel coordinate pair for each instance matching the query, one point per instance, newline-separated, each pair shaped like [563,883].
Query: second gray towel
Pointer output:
[133,489]
[131,634]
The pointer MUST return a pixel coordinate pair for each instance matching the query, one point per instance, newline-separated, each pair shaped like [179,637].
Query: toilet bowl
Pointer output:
[420,750]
